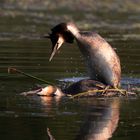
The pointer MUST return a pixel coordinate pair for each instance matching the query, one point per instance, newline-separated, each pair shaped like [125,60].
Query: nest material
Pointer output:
[105,93]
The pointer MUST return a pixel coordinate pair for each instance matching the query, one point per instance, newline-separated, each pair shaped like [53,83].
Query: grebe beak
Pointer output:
[56,46]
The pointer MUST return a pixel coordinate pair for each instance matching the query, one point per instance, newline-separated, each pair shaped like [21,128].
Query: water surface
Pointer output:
[22,46]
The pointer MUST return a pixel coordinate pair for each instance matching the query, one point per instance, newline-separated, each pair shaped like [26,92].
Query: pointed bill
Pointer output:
[56,47]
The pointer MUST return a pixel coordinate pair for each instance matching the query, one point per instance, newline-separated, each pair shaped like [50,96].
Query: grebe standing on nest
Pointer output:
[102,61]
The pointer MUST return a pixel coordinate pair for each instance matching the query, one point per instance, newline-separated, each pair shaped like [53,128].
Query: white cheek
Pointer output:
[58,92]
[60,41]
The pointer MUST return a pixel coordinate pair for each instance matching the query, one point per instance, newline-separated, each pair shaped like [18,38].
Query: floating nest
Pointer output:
[92,88]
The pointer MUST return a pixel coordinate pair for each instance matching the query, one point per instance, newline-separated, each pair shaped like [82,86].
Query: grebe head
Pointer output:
[63,32]
[47,91]
[50,91]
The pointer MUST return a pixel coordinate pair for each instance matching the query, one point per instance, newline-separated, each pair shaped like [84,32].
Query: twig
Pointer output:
[50,135]
[14,70]
[99,91]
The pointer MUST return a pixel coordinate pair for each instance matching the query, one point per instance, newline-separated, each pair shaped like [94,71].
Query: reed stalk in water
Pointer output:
[14,70]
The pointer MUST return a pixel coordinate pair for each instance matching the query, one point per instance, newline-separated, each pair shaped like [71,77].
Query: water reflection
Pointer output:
[49,102]
[99,118]
[101,122]
[28,118]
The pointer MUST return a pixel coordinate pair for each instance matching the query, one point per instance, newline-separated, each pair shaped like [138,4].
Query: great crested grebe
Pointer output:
[102,61]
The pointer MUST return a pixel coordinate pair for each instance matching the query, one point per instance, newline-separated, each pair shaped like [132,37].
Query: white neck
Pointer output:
[73,29]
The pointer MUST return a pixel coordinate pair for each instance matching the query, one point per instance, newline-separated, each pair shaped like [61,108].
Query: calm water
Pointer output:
[21,46]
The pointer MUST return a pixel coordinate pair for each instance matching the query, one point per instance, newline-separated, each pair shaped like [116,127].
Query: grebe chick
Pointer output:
[102,61]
